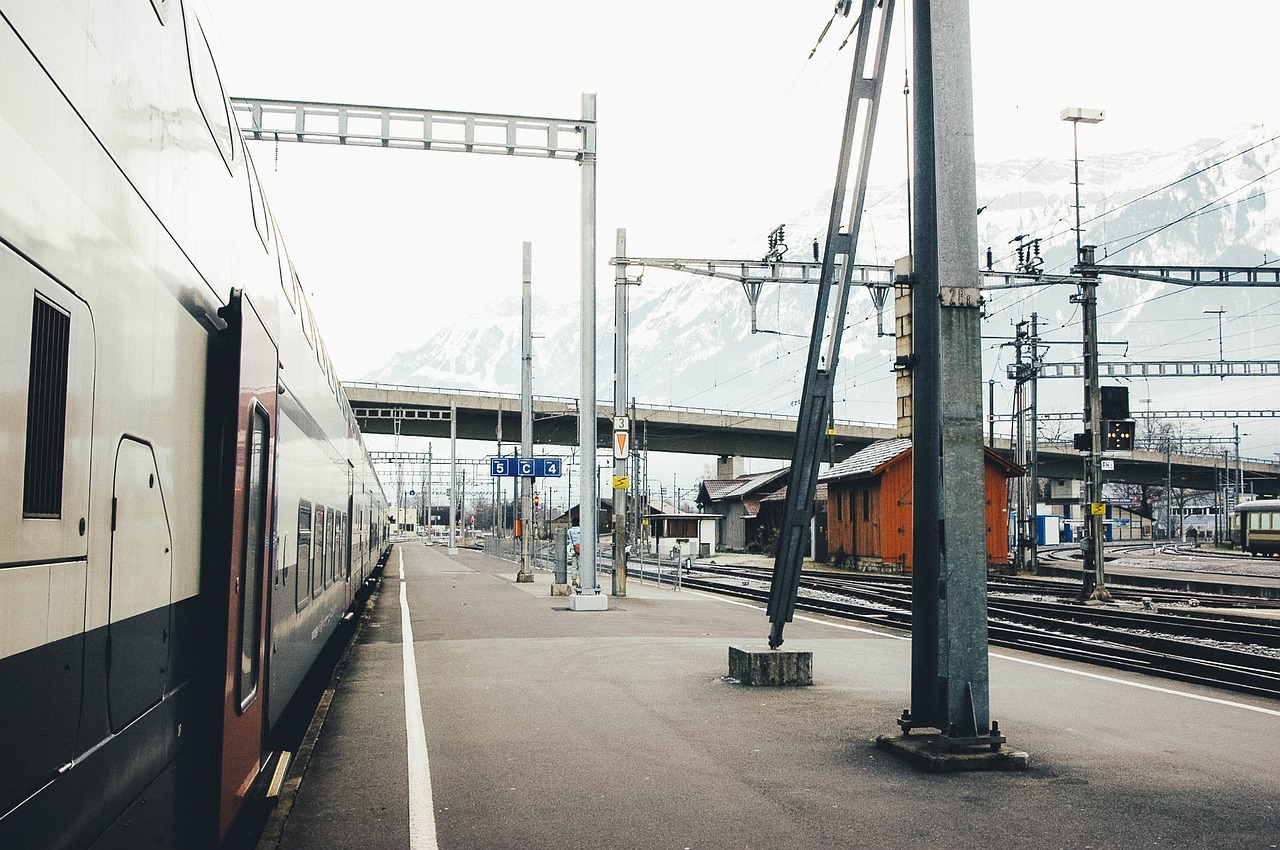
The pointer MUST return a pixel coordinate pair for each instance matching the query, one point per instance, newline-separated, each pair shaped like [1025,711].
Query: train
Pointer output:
[187,505]
[1259,526]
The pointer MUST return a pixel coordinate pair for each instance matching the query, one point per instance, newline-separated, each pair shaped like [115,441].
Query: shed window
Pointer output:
[46,411]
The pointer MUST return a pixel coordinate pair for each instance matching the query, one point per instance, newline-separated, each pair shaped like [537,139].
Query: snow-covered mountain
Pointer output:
[691,341]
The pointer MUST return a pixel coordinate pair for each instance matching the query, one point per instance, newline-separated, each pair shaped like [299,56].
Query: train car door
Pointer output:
[250,454]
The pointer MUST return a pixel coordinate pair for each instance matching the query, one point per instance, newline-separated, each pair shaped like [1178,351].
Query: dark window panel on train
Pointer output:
[46,411]
[303,576]
[255,553]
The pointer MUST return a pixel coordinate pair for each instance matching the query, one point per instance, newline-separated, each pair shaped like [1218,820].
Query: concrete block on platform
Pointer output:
[560,590]
[588,602]
[758,665]
[926,751]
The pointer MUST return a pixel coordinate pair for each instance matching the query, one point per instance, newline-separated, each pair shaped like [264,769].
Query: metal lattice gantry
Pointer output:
[409,128]
[1059,416]
[1168,369]
[413,128]
[754,274]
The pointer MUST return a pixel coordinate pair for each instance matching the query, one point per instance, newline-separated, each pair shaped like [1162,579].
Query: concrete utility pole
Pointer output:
[526,414]
[949,676]
[621,424]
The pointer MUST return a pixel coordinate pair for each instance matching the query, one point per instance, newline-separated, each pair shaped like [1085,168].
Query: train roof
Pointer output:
[1258,505]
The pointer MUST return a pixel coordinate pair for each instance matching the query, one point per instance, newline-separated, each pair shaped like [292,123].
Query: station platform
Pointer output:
[543,727]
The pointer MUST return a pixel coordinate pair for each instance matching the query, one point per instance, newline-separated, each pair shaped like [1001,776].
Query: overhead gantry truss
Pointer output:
[1169,369]
[410,128]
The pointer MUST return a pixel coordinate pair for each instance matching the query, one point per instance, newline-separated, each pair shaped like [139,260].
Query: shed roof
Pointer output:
[743,485]
[876,456]
[868,460]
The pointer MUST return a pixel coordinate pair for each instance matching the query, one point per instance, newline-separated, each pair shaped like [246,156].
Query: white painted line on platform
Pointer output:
[821,622]
[1271,712]
[1142,685]
[422,811]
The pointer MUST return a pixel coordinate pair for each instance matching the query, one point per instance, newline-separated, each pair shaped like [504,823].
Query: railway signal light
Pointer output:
[1119,435]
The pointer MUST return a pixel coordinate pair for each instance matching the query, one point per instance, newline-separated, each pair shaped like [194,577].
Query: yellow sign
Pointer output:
[622,482]
[1098,508]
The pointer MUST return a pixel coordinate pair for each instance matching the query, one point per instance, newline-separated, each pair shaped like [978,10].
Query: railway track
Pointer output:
[1223,650]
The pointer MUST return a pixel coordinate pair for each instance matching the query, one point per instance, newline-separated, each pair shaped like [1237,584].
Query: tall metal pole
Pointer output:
[1095,515]
[620,329]
[590,511]
[453,478]
[949,671]
[526,413]
[1035,444]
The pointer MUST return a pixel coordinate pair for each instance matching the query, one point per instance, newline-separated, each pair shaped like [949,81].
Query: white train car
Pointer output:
[186,506]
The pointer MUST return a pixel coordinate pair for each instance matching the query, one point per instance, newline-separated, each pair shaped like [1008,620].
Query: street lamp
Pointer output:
[1077,116]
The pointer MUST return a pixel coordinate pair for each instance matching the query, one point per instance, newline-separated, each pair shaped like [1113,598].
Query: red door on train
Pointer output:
[252,478]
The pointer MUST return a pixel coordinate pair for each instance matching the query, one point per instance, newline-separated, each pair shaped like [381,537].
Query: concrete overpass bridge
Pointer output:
[485,416]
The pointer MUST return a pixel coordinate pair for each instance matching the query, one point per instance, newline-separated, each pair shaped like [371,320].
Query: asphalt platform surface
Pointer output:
[551,728]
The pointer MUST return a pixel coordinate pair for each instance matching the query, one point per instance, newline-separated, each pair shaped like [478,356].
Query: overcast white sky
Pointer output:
[714,127]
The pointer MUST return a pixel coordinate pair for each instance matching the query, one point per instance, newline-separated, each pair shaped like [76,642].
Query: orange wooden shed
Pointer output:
[869,505]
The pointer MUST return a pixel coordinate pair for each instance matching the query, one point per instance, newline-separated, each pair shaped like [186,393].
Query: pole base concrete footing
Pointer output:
[560,590]
[524,578]
[770,667]
[926,751]
[588,602]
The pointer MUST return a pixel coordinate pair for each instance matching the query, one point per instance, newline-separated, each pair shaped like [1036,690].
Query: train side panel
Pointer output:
[130,212]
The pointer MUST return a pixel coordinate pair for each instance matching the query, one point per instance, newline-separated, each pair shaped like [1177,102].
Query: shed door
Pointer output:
[251,525]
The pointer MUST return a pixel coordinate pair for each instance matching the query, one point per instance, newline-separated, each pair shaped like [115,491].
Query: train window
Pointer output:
[308,324]
[210,96]
[260,218]
[46,411]
[344,569]
[317,552]
[256,494]
[303,576]
[287,281]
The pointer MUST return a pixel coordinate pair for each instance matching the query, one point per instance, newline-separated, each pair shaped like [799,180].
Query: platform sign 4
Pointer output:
[548,467]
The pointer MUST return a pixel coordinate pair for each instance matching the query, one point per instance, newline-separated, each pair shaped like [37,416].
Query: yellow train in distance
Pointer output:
[1260,526]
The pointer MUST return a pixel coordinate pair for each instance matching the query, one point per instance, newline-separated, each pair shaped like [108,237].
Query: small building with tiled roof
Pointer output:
[773,510]
[869,505]
[737,502]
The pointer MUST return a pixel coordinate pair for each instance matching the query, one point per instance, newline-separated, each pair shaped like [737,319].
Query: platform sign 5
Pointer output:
[502,466]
